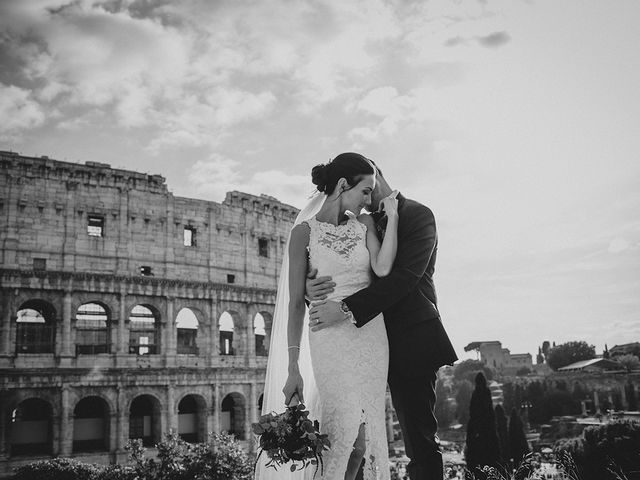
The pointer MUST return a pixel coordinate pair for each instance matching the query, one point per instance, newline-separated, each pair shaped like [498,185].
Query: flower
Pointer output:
[291,437]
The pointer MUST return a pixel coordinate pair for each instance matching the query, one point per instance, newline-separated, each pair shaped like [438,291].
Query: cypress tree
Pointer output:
[517,439]
[482,438]
[503,434]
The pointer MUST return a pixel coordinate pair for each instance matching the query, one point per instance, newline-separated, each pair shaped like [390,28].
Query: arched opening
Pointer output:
[92,329]
[225,327]
[260,401]
[187,325]
[91,425]
[260,335]
[144,420]
[192,419]
[144,330]
[36,327]
[31,428]
[232,416]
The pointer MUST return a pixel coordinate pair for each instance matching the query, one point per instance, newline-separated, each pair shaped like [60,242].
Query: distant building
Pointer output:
[624,349]
[595,365]
[501,359]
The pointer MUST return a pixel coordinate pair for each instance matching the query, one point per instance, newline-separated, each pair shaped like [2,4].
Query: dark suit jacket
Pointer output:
[407,297]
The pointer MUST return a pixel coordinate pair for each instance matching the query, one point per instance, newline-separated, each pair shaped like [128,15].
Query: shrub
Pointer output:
[601,449]
[56,469]
[221,458]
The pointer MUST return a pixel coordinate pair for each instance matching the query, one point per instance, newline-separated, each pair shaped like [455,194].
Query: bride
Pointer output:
[340,373]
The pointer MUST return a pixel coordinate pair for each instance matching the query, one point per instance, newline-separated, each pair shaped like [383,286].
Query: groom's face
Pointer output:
[376,197]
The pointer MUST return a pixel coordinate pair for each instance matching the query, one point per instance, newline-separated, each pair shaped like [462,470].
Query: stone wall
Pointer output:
[53,261]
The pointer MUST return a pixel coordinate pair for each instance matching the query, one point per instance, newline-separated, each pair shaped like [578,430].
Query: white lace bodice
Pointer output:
[340,251]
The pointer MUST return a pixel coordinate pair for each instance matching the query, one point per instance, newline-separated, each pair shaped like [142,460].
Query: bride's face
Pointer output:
[359,196]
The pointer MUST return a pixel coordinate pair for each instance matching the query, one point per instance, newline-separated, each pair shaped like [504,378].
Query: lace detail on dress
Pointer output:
[349,363]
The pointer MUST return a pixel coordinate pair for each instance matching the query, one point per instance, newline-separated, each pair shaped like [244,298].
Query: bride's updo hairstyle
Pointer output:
[350,166]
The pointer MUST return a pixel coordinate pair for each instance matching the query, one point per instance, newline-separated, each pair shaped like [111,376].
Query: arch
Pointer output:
[226,329]
[192,418]
[187,332]
[92,329]
[232,415]
[144,330]
[91,425]
[260,335]
[145,419]
[35,327]
[31,426]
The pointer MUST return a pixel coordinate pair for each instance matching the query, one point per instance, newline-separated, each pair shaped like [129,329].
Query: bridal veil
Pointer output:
[278,361]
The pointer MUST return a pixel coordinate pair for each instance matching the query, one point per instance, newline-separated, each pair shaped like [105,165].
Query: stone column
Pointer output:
[596,402]
[7,325]
[65,350]
[248,416]
[122,413]
[169,340]
[213,334]
[66,424]
[172,417]
[253,417]
[250,353]
[623,397]
[215,408]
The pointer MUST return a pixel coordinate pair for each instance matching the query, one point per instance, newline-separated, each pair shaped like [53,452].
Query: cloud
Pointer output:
[18,111]
[494,40]
[211,179]
[618,245]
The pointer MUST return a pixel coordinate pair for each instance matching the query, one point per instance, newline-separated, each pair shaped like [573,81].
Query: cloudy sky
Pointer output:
[517,122]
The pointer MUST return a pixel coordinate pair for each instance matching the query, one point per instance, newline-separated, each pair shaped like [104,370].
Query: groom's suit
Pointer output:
[418,343]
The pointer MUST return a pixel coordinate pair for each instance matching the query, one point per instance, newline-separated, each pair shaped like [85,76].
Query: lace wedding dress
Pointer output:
[349,363]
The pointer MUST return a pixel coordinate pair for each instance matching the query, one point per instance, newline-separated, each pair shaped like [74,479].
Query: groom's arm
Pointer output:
[416,242]
[413,257]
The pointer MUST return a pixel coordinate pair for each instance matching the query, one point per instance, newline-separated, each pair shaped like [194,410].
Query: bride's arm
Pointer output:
[297,276]
[383,256]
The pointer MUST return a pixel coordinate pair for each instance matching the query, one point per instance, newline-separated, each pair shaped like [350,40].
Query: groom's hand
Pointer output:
[317,288]
[325,314]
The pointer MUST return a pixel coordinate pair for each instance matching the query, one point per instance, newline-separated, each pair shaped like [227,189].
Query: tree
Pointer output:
[628,361]
[517,439]
[463,398]
[503,434]
[568,353]
[482,446]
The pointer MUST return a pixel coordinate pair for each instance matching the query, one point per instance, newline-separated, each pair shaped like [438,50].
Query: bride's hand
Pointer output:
[293,387]
[390,206]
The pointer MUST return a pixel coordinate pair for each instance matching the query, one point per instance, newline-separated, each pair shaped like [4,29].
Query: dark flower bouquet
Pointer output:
[291,437]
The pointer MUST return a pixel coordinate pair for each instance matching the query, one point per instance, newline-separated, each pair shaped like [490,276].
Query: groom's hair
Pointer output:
[378,171]
[350,166]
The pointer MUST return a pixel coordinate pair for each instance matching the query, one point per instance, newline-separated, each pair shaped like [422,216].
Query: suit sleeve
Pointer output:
[417,240]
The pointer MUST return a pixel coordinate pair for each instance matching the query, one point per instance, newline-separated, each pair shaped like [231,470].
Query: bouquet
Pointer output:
[291,437]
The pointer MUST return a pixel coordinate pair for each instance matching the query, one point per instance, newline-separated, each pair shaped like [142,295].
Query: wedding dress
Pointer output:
[349,363]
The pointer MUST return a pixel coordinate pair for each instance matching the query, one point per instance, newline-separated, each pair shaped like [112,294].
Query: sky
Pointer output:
[516,122]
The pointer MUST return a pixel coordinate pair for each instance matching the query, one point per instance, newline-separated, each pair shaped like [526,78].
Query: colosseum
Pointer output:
[128,312]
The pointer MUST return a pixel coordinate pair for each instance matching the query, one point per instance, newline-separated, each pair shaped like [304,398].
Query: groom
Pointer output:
[418,343]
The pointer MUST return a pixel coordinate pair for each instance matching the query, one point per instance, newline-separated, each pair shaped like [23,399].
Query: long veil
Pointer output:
[278,361]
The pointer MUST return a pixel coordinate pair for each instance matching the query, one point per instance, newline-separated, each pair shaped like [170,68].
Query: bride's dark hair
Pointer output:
[350,166]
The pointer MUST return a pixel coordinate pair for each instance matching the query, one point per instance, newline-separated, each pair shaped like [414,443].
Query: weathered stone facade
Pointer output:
[98,268]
